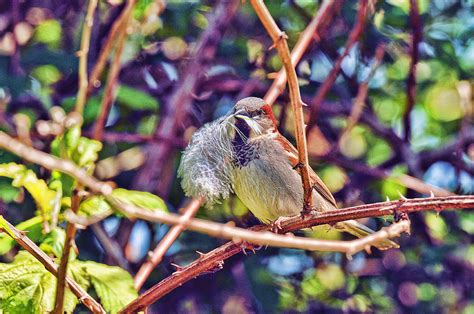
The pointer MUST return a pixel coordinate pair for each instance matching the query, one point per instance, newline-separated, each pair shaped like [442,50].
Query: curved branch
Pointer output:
[279,40]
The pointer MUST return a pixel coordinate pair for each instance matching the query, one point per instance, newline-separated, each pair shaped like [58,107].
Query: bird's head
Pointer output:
[253,117]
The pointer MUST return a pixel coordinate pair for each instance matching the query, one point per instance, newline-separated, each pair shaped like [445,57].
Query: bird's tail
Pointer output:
[360,231]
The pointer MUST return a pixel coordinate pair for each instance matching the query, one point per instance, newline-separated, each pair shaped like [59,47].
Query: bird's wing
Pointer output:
[317,183]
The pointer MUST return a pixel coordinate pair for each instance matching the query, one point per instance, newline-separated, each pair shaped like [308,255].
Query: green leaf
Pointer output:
[136,99]
[113,285]
[53,242]
[141,199]
[23,177]
[94,205]
[48,32]
[34,228]
[87,152]
[27,287]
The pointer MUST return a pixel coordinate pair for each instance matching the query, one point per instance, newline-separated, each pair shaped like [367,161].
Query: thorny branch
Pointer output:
[214,260]
[279,40]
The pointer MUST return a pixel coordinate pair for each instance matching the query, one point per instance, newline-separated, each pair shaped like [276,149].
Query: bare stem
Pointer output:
[85,43]
[279,40]
[68,242]
[145,270]
[48,263]
[331,78]
[112,79]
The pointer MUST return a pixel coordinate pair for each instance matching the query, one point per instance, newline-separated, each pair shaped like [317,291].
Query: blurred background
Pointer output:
[185,63]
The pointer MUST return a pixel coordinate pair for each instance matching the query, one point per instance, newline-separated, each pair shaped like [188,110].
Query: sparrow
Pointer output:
[262,167]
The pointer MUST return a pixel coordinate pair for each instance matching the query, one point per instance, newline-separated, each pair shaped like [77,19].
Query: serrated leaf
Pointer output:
[141,199]
[27,287]
[23,177]
[32,226]
[94,205]
[113,285]
[136,99]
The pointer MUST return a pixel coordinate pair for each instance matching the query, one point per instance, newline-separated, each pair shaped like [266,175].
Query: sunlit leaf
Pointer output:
[113,285]
[141,199]
[48,32]
[94,205]
[136,99]
[27,287]
[23,177]
[33,228]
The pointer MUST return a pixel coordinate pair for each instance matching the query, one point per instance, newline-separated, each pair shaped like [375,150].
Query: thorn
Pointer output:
[431,193]
[387,199]
[349,256]
[178,268]
[402,197]
[201,254]
[303,104]
[149,254]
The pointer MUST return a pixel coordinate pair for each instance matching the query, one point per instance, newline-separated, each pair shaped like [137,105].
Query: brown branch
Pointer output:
[99,66]
[359,102]
[82,54]
[145,270]
[354,35]
[214,260]
[43,258]
[323,16]
[416,38]
[279,39]
[112,79]
[68,243]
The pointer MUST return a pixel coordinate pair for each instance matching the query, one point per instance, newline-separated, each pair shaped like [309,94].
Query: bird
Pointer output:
[264,169]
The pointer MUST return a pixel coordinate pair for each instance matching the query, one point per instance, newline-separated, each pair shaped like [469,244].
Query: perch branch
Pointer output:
[279,39]
[348,247]
[48,263]
[214,260]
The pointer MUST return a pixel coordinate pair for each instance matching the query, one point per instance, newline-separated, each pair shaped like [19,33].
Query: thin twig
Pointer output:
[310,33]
[112,79]
[62,271]
[279,39]
[145,270]
[416,38]
[354,35]
[43,258]
[82,54]
[359,102]
[99,66]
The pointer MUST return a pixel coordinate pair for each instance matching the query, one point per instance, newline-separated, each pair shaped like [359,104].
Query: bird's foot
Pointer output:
[244,245]
[276,225]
